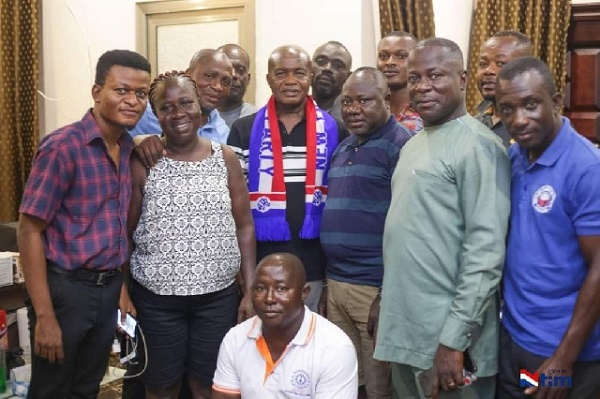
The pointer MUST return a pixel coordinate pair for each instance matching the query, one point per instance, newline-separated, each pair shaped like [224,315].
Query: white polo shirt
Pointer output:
[320,362]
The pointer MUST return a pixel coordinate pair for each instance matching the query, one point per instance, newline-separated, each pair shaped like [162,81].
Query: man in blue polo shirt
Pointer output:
[551,333]
[352,227]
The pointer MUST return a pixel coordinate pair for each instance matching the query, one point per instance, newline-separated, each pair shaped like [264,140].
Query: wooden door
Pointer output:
[582,91]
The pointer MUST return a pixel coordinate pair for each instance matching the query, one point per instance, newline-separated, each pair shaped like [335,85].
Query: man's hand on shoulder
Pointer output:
[150,148]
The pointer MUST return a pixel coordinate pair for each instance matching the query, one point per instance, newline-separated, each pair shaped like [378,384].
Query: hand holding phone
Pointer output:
[130,323]
[469,370]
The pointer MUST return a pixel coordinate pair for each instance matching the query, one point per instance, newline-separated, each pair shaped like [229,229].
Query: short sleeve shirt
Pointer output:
[320,362]
[554,201]
[75,187]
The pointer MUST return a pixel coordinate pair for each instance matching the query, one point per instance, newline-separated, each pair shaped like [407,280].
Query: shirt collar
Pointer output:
[486,106]
[302,337]
[556,147]
[376,134]
[409,111]
[91,131]
[209,125]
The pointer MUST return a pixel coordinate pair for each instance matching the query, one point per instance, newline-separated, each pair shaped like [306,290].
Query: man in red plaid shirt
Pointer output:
[73,233]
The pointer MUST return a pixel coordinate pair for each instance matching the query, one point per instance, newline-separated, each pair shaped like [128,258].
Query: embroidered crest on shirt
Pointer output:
[543,199]
[300,382]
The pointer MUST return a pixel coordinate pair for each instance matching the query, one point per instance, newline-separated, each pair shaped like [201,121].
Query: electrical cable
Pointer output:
[134,346]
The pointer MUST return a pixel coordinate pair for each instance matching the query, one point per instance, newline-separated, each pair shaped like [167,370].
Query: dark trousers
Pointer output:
[87,316]
[513,358]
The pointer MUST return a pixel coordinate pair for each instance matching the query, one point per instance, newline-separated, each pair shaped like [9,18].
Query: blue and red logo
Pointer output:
[551,379]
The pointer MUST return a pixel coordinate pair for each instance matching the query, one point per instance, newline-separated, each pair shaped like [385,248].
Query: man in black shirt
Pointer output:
[287,163]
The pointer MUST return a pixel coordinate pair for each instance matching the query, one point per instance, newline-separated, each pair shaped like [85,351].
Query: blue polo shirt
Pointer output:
[215,129]
[358,199]
[554,200]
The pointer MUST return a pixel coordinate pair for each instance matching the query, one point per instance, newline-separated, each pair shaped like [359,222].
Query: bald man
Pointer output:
[443,241]
[352,228]
[302,354]
[234,106]
[213,73]
[496,52]
[285,150]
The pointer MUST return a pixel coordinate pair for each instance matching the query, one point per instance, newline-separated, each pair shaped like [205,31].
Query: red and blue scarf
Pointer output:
[266,175]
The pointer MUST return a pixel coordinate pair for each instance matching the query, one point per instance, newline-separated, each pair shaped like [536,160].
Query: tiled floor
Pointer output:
[111,385]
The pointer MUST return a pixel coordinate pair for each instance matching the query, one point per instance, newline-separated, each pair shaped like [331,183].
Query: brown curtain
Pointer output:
[18,100]
[412,16]
[545,21]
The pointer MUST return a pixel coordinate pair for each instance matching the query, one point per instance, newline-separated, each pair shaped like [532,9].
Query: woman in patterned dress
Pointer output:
[191,233]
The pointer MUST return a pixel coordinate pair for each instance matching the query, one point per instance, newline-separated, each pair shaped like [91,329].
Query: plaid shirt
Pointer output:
[74,187]
[411,119]
[485,112]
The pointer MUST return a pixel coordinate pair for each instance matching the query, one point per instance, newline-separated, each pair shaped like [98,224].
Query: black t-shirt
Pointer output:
[309,251]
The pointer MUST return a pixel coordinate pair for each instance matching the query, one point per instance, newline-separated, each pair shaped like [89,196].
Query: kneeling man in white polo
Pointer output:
[286,351]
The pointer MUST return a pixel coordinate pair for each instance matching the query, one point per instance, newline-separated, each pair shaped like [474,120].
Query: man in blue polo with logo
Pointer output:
[551,328]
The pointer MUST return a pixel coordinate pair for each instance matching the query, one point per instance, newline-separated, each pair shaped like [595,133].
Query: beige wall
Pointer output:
[77,32]
[447,13]
[309,23]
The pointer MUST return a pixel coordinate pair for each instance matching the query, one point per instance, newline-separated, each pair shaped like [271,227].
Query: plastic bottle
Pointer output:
[2,371]
[3,348]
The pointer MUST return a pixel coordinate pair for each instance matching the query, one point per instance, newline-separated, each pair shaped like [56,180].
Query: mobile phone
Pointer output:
[130,323]
[469,369]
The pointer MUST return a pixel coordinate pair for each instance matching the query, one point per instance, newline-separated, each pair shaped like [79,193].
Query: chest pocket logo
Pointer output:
[543,199]
[300,380]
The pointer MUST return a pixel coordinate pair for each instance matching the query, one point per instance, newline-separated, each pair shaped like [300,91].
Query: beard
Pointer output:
[489,97]
[231,101]
[324,91]
[397,85]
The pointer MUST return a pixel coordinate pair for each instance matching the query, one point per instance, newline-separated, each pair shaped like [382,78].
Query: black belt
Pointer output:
[85,275]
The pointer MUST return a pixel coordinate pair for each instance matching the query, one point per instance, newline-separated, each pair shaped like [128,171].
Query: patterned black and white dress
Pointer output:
[185,240]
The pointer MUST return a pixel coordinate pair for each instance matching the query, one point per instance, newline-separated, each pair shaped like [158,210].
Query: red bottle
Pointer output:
[3,331]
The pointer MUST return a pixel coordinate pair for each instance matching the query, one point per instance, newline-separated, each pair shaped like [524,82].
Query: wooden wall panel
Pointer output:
[582,92]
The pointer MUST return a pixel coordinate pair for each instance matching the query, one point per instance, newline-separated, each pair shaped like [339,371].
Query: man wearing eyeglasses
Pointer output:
[392,54]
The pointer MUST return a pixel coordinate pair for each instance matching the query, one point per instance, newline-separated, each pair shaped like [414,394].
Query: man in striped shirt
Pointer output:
[289,77]
[352,229]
